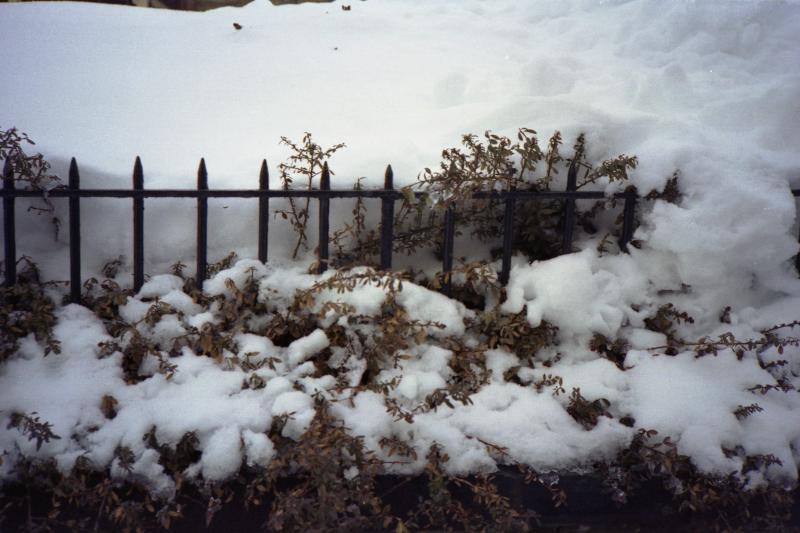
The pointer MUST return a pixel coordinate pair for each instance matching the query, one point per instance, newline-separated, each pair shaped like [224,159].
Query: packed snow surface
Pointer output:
[706,89]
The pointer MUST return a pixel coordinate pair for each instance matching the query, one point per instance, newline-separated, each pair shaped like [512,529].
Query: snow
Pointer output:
[302,349]
[299,409]
[160,286]
[568,293]
[425,372]
[221,454]
[641,339]
[705,89]
[246,270]
[690,399]
[703,393]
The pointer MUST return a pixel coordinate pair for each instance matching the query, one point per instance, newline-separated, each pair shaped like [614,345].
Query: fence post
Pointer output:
[447,249]
[74,233]
[138,226]
[569,208]
[324,222]
[628,213]
[387,220]
[202,224]
[508,237]
[9,225]
[263,213]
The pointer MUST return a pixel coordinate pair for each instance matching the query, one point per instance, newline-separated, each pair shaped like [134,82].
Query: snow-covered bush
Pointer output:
[672,369]
[298,392]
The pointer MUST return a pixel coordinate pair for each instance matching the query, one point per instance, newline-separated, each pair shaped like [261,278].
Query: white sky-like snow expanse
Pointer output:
[710,89]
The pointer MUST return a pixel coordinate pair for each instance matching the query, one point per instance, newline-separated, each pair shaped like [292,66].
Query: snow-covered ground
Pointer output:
[708,89]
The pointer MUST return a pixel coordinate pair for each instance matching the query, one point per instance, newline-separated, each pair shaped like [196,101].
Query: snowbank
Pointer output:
[702,88]
[705,89]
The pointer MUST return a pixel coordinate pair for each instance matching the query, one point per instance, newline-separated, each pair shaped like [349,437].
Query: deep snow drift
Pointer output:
[707,89]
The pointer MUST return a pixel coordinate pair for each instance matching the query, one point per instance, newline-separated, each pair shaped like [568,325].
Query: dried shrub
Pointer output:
[585,412]
[671,192]
[455,503]
[770,338]
[323,482]
[716,503]
[352,238]
[556,383]
[25,308]
[743,411]
[473,284]
[32,427]
[31,171]
[514,333]
[500,164]
[665,320]
[493,164]
[378,340]
[83,500]
[305,163]
[615,351]
[178,458]
[104,297]
[108,406]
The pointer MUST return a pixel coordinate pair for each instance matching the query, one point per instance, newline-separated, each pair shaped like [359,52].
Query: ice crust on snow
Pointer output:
[687,87]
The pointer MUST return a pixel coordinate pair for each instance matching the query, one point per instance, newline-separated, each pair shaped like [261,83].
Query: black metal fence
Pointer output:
[388,196]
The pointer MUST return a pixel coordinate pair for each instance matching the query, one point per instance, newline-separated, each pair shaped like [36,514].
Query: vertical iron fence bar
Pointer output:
[74,233]
[796,195]
[324,222]
[387,221]
[797,257]
[569,208]
[263,213]
[138,226]
[447,249]
[627,218]
[508,239]
[9,225]
[202,224]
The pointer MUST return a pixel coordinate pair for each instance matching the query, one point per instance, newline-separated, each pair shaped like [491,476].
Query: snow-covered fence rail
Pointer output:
[388,196]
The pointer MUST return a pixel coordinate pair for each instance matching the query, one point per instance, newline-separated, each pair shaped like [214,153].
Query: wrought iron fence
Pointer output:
[388,196]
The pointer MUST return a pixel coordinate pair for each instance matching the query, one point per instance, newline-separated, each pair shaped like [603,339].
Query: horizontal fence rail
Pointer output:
[65,192]
[388,196]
